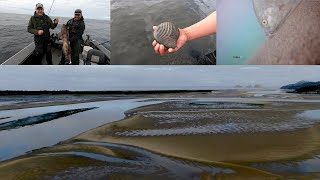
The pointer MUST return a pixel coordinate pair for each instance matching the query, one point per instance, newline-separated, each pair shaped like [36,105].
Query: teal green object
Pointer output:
[243,26]
[239,34]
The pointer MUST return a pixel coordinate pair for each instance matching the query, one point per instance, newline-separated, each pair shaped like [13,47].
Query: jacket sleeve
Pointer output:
[51,24]
[31,28]
[79,32]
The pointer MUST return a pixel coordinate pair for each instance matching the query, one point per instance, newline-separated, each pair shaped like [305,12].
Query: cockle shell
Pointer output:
[167,34]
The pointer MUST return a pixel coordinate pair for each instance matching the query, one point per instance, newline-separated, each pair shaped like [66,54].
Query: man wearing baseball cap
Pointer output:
[76,27]
[39,25]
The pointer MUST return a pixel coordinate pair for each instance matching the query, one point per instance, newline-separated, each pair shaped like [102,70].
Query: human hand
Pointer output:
[56,21]
[40,32]
[162,50]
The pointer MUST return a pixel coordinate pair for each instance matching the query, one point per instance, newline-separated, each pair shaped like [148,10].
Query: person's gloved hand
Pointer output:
[68,26]
[162,50]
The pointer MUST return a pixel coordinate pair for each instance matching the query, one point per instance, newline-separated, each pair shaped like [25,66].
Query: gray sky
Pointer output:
[113,78]
[93,9]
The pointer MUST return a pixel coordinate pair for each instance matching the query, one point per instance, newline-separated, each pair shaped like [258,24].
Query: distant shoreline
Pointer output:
[135,92]
[61,92]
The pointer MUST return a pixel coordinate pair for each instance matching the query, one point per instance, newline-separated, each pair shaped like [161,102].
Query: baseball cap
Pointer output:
[78,11]
[39,5]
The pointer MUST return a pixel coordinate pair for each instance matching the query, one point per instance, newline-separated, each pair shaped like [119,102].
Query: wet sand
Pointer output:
[169,131]
[39,167]
[118,161]
[204,136]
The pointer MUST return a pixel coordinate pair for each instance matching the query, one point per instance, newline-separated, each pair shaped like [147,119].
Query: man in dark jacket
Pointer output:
[39,25]
[76,27]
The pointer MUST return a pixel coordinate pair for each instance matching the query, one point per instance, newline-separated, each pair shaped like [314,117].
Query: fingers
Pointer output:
[40,32]
[156,48]
[154,43]
[171,50]
[162,50]
[159,49]
[56,21]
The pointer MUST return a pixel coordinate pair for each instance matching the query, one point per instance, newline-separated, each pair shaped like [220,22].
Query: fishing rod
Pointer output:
[51,7]
[104,43]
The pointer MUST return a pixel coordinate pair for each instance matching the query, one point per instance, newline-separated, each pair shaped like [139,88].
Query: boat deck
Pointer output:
[56,57]
[26,55]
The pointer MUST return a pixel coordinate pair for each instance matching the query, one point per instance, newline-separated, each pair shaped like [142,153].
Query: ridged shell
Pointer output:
[167,34]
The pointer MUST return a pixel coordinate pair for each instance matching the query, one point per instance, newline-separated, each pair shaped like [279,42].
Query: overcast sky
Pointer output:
[117,78]
[93,9]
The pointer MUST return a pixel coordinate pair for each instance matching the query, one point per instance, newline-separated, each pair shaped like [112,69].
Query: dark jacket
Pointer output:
[40,23]
[76,29]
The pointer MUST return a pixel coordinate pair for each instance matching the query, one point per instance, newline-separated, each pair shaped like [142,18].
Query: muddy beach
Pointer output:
[231,134]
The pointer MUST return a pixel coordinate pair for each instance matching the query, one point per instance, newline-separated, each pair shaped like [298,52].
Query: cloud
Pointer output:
[93,9]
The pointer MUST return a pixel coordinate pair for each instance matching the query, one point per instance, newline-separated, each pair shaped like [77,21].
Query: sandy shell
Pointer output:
[272,13]
[167,34]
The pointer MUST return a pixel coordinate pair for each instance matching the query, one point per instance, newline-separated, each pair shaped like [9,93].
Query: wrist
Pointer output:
[186,33]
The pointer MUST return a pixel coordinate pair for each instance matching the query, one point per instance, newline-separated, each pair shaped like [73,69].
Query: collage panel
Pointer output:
[268,32]
[185,90]
[133,34]
[54,32]
[259,122]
